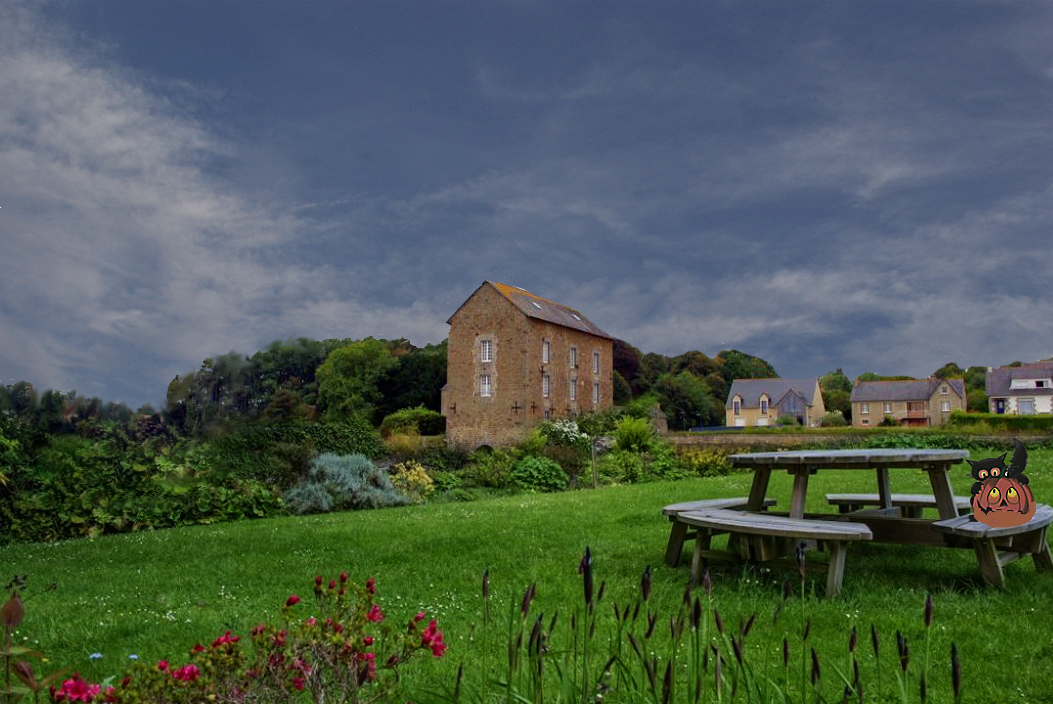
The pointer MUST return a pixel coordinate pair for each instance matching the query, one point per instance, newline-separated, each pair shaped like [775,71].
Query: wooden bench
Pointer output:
[997,547]
[679,532]
[911,504]
[832,536]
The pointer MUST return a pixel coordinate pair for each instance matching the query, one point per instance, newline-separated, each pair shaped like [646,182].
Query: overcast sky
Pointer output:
[864,185]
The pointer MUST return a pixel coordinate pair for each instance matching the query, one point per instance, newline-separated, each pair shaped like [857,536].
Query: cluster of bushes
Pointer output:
[1002,421]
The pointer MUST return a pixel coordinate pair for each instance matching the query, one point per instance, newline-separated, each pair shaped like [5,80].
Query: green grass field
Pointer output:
[155,594]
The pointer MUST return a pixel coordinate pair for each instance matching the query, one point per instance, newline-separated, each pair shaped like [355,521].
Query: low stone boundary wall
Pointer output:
[789,440]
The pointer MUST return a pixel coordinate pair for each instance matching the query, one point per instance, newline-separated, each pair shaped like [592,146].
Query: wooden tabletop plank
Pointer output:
[761,524]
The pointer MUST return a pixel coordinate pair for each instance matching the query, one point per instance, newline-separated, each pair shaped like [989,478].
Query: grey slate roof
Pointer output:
[534,306]
[999,380]
[920,390]
[750,390]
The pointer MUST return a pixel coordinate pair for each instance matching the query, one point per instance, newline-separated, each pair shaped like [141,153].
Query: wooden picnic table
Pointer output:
[760,534]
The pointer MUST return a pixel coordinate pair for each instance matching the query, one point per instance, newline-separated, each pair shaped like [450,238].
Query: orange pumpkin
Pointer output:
[1004,502]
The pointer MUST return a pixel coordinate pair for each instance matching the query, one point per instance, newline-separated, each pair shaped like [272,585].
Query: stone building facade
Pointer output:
[515,359]
[923,402]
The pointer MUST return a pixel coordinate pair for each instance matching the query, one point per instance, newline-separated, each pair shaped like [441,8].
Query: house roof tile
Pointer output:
[750,390]
[535,306]
[918,390]
[1000,379]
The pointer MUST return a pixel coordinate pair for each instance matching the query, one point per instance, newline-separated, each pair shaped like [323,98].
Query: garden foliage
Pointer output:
[417,421]
[340,482]
[539,474]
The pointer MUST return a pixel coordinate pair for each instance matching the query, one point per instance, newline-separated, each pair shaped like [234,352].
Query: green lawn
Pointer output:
[155,594]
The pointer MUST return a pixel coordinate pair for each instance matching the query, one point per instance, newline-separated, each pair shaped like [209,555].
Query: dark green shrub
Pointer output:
[600,422]
[539,474]
[662,463]
[573,460]
[635,434]
[622,466]
[832,419]
[419,419]
[492,469]
[350,481]
[786,420]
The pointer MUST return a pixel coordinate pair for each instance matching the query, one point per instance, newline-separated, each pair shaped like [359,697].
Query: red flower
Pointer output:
[419,617]
[343,577]
[75,690]
[368,640]
[375,614]
[187,673]
[432,638]
[163,665]
[298,683]
[292,601]
[311,621]
[258,630]
[371,585]
[222,640]
[332,584]
[199,648]
[318,580]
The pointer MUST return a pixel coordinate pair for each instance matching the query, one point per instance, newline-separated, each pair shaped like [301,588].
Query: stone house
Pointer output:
[1023,390]
[760,402]
[515,359]
[917,402]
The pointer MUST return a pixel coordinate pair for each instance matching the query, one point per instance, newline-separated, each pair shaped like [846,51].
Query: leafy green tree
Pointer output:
[652,366]
[626,361]
[976,400]
[348,379]
[622,392]
[739,365]
[949,371]
[416,381]
[871,376]
[687,402]
[835,381]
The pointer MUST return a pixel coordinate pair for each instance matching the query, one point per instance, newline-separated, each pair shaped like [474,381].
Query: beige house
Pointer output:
[760,402]
[515,359]
[920,402]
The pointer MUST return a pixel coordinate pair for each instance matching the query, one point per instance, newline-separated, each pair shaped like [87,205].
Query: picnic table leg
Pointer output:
[835,571]
[940,479]
[800,491]
[884,492]
[702,541]
[990,567]
[676,544]
[758,489]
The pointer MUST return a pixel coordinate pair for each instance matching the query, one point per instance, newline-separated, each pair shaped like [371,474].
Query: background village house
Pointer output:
[760,402]
[1023,389]
[515,359]
[918,402]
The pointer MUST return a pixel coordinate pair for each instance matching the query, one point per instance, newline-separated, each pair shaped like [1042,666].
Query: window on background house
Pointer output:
[736,406]
[573,357]
[945,406]
[1025,406]
[486,351]
[484,385]
[596,392]
[595,362]
[546,383]
[886,408]
[546,351]
[763,405]
[864,408]
[573,389]
[943,389]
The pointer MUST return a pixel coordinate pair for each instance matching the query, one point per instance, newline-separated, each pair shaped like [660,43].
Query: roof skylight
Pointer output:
[536,305]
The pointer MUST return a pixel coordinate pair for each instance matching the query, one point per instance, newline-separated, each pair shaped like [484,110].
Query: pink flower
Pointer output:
[311,621]
[258,630]
[432,638]
[375,614]
[163,665]
[368,640]
[298,683]
[198,648]
[187,673]
[419,617]
[292,601]
[371,585]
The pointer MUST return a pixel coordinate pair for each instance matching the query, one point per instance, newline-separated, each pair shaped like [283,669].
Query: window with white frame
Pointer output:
[573,357]
[546,351]
[546,384]
[595,362]
[886,408]
[736,406]
[864,408]
[596,392]
[943,389]
[486,351]
[573,389]
[945,406]
[485,389]
[1025,406]
[764,404]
